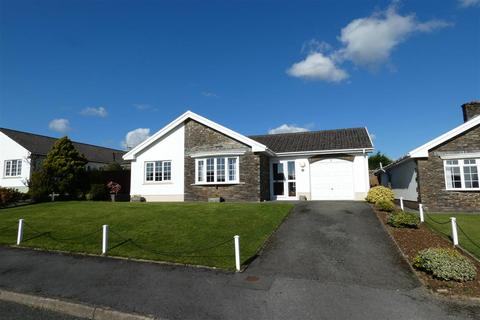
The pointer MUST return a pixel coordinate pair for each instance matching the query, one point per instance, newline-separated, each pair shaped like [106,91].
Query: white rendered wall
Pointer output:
[10,150]
[169,147]
[403,180]
[361,179]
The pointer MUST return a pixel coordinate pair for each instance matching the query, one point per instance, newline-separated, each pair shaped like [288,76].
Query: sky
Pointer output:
[113,72]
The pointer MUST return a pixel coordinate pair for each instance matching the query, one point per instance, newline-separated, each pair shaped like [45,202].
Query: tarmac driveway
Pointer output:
[328,260]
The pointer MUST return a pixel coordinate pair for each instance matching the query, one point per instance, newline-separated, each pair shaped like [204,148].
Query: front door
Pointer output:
[284,186]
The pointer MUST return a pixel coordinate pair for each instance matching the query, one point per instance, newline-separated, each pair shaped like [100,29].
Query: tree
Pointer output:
[375,160]
[62,171]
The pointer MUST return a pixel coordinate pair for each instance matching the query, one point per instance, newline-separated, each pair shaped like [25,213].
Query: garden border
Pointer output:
[415,272]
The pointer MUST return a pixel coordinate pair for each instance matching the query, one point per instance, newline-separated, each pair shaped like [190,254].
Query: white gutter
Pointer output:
[334,151]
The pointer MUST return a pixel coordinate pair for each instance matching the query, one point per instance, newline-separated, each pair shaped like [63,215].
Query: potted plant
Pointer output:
[114,188]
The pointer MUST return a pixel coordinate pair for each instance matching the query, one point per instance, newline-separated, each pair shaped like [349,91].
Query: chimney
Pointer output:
[471,110]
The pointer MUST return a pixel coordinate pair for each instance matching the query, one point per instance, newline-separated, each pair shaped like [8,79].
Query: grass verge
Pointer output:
[468,224]
[189,233]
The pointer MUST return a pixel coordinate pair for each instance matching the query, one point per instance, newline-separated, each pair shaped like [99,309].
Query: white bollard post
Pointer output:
[401,204]
[454,231]
[420,208]
[105,239]
[237,252]
[20,232]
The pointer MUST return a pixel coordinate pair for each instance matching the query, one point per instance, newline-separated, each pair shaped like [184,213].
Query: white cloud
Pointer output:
[317,66]
[367,42]
[209,94]
[287,128]
[95,112]
[370,41]
[59,125]
[144,106]
[135,137]
[469,3]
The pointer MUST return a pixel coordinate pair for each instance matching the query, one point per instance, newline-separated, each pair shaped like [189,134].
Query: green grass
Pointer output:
[470,223]
[165,228]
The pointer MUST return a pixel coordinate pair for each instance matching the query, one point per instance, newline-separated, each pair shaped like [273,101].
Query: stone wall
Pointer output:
[200,138]
[431,176]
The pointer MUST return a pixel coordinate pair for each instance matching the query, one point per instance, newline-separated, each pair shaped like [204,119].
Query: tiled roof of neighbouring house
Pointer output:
[41,145]
[352,138]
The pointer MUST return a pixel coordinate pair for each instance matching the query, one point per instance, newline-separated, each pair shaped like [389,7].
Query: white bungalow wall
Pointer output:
[11,150]
[169,147]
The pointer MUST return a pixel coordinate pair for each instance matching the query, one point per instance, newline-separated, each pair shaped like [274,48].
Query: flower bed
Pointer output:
[412,241]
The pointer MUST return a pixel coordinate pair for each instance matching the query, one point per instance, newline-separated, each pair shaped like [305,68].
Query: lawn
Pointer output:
[469,223]
[191,233]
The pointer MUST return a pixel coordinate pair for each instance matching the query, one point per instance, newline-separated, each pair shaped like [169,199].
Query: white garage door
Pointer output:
[332,179]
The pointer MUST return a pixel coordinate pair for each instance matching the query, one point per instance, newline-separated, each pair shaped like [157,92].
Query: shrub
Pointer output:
[9,196]
[400,219]
[445,264]
[379,193]
[97,192]
[385,205]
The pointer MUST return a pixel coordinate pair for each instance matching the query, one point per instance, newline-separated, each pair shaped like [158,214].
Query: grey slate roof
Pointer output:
[351,138]
[41,145]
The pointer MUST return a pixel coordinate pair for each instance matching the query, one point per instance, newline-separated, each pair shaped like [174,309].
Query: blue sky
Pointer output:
[96,70]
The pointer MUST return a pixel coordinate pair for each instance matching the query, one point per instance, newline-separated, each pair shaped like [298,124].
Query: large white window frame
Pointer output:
[13,168]
[217,170]
[158,171]
[460,165]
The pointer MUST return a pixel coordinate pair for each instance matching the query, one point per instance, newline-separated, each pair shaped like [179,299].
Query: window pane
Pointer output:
[149,171]
[452,162]
[8,165]
[220,169]
[291,170]
[232,169]
[14,168]
[19,167]
[470,174]
[210,170]
[167,170]
[292,189]
[158,170]
[278,172]
[200,171]
[278,188]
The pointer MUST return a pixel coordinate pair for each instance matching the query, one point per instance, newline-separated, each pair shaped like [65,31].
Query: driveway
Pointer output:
[329,260]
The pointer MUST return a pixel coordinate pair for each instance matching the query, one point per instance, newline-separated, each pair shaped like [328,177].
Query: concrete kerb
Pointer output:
[70,308]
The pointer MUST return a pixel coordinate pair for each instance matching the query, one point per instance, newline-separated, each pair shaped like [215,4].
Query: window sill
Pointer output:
[215,183]
[12,177]
[157,183]
[463,190]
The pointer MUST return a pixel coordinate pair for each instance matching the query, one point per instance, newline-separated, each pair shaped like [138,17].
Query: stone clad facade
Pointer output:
[431,176]
[200,138]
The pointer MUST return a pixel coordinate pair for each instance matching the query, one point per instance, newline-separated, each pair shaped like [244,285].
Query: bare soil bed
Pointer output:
[411,241]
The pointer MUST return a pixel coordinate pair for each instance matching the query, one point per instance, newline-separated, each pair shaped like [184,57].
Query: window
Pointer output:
[462,174]
[13,168]
[156,171]
[217,170]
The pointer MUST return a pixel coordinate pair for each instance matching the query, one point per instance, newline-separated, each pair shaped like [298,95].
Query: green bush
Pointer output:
[400,219]
[379,193]
[385,205]
[97,192]
[445,264]
[9,196]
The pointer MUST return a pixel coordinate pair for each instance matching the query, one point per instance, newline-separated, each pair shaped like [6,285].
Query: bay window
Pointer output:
[13,168]
[462,174]
[216,170]
[157,171]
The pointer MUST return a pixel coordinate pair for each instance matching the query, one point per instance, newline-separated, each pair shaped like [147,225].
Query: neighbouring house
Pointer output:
[193,159]
[21,153]
[443,173]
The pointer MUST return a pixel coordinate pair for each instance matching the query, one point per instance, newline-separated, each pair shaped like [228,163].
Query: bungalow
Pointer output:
[22,153]
[442,174]
[193,158]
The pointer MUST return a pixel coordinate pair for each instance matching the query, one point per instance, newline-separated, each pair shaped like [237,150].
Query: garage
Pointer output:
[332,179]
